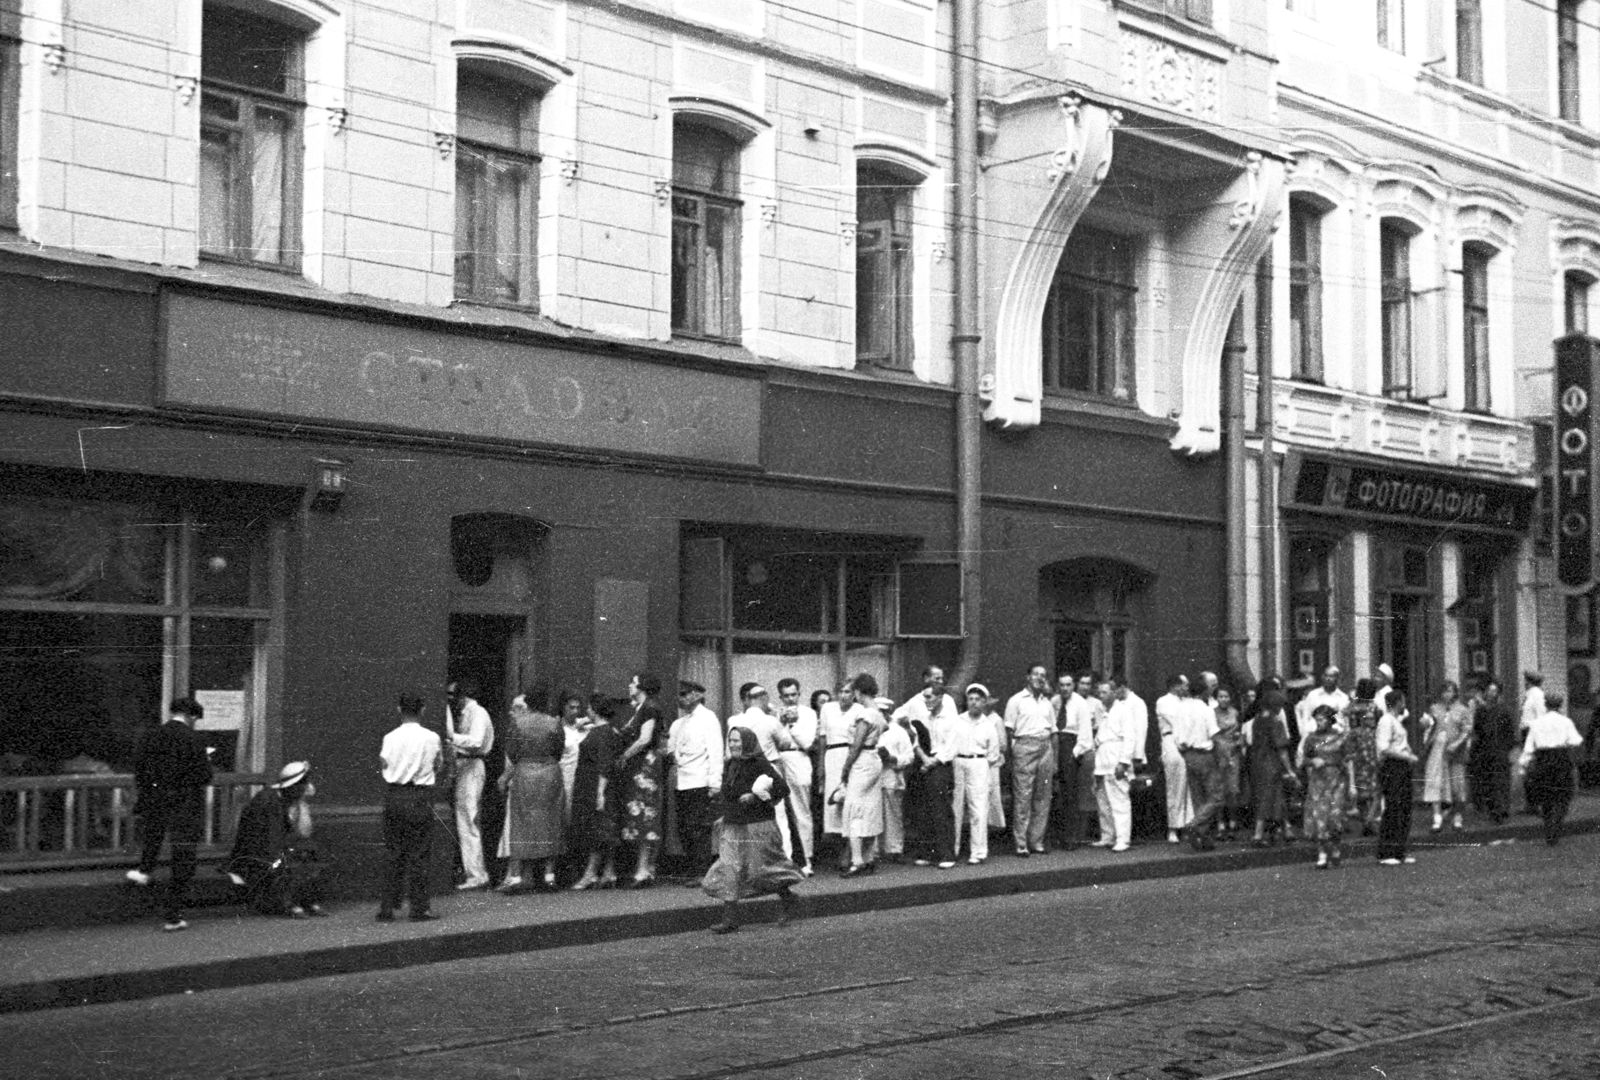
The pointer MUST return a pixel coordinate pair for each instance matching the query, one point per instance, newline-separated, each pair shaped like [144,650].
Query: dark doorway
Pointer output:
[1074,649]
[488,649]
[1407,621]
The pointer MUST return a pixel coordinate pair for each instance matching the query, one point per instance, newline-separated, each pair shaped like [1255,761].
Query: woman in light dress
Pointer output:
[835,726]
[536,797]
[860,790]
[1444,779]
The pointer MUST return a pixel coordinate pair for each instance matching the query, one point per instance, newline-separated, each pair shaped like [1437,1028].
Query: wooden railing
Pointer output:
[88,820]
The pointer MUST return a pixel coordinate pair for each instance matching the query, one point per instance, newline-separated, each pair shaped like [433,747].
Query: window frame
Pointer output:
[10,112]
[694,303]
[1469,41]
[895,248]
[1395,306]
[484,260]
[1476,349]
[238,226]
[1306,360]
[1106,299]
[1391,25]
[1569,65]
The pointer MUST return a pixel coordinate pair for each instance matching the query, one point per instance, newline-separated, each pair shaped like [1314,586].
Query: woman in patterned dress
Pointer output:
[641,775]
[1330,781]
[1361,724]
[1444,779]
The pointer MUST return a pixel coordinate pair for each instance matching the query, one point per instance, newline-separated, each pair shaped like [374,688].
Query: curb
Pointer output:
[589,930]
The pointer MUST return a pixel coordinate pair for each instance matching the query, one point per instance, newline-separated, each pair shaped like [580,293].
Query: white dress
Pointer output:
[835,727]
[863,797]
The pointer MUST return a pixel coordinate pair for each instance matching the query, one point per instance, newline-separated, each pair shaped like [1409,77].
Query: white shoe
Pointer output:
[947,864]
[806,871]
[1101,843]
[974,861]
[1173,837]
[1119,848]
[468,886]
[1388,862]
[138,877]
[1409,860]
[922,862]
[175,925]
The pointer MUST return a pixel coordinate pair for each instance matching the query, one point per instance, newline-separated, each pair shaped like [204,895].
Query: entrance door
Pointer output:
[1406,619]
[488,649]
[1074,649]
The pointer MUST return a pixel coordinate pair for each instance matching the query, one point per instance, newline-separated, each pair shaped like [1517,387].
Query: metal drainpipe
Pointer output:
[1237,638]
[1267,489]
[965,338]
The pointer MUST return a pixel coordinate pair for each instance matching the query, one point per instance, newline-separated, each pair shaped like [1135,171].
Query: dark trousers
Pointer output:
[696,816]
[1205,787]
[1550,786]
[1496,786]
[934,813]
[1066,820]
[1394,778]
[408,846]
[182,817]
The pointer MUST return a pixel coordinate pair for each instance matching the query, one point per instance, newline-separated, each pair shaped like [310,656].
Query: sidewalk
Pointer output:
[43,969]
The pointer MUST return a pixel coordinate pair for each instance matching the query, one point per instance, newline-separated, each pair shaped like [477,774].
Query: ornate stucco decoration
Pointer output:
[1161,72]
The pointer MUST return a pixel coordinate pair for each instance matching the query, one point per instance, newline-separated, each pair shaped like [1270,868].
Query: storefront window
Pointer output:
[108,610]
[798,607]
[1310,590]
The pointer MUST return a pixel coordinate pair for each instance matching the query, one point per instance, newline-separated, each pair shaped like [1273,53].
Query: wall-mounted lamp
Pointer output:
[325,491]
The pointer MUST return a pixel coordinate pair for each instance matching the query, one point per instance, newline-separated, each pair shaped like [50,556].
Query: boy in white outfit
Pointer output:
[977,751]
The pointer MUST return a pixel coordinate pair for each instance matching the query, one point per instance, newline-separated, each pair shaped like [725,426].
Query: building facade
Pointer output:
[355,346]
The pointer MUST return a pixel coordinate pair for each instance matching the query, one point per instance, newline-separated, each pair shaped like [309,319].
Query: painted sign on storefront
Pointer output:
[1409,496]
[266,361]
[1575,452]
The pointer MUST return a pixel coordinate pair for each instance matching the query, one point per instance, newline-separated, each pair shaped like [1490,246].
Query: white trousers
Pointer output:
[970,803]
[894,821]
[796,769]
[469,796]
[1113,798]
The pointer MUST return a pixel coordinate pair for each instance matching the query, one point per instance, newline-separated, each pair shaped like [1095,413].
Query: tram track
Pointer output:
[1176,1002]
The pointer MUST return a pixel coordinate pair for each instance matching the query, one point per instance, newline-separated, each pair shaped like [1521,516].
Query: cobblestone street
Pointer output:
[1209,976]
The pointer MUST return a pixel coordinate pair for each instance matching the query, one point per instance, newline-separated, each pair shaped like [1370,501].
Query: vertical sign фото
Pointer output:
[1575,460]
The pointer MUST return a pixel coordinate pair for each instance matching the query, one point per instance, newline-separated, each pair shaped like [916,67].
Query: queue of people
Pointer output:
[760,802]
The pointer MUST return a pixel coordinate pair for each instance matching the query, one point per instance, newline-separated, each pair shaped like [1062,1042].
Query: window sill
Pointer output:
[705,339]
[277,270]
[469,302]
[1093,410]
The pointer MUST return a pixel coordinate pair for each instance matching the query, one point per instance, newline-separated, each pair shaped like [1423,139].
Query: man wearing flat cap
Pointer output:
[274,858]
[170,776]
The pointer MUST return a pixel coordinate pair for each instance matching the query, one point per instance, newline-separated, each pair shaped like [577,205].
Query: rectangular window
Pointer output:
[1305,291]
[497,186]
[250,116]
[705,233]
[1469,41]
[1195,11]
[1567,72]
[1088,332]
[1575,287]
[1395,284]
[1475,324]
[884,204]
[1392,25]
[10,82]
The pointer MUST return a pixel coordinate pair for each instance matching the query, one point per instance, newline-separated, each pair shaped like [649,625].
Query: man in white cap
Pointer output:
[274,858]
[1326,692]
[977,748]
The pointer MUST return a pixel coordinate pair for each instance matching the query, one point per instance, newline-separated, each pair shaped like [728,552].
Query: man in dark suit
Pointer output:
[170,777]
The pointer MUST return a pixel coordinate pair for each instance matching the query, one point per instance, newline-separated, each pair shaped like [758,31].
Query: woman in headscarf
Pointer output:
[1330,781]
[750,858]
[535,795]
[861,781]
[1444,777]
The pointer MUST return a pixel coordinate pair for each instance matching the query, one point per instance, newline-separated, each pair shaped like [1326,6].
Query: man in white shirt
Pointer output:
[1031,730]
[1180,810]
[1325,693]
[801,723]
[977,748]
[930,790]
[897,753]
[1546,758]
[1137,724]
[1113,770]
[696,744]
[1193,729]
[472,736]
[409,760]
[1533,707]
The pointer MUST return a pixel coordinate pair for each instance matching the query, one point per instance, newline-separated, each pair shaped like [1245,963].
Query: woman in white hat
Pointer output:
[274,858]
